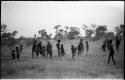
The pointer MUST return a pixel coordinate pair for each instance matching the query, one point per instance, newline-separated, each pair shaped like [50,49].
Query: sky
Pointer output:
[27,17]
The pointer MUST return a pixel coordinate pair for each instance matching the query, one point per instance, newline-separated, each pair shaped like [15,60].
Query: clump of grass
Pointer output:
[8,69]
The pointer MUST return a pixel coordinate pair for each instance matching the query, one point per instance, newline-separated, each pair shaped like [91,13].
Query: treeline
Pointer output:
[93,32]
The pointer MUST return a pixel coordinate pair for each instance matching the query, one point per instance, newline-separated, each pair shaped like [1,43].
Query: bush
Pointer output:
[9,42]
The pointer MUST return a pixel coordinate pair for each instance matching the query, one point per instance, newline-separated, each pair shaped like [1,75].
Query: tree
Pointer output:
[61,31]
[84,27]
[21,37]
[74,28]
[58,36]
[89,32]
[100,31]
[122,29]
[73,33]
[66,31]
[43,33]
[109,35]
[119,30]
[65,34]
[14,33]
[93,26]
[3,27]
[48,36]
[6,35]
[66,27]
[57,28]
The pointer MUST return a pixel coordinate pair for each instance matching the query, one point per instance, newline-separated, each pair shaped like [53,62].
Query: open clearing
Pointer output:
[89,65]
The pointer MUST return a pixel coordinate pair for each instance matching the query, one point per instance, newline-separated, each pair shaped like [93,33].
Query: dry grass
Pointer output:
[89,65]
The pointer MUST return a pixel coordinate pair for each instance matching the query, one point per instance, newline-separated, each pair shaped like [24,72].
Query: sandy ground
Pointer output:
[89,65]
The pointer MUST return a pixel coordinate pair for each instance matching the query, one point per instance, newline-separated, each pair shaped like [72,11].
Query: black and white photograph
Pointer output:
[62,40]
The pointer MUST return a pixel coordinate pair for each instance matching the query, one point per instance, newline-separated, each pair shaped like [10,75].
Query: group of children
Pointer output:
[47,50]
[15,54]
[43,50]
[38,48]
[108,43]
[60,49]
[80,48]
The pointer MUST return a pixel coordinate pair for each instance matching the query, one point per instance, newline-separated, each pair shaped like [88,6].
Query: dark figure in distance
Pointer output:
[39,49]
[73,49]
[104,46]
[49,50]
[21,48]
[34,48]
[80,47]
[87,46]
[111,53]
[13,54]
[118,40]
[108,44]
[39,45]
[17,53]
[59,49]
[62,50]
[44,52]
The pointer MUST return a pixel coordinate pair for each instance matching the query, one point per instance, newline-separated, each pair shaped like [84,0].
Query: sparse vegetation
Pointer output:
[89,65]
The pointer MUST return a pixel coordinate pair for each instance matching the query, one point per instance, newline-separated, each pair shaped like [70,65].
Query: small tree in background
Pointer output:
[93,28]
[109,35]
[120,30]
[48,36]
[100,31]
[3,28]
[43,33]
[57,28]
[89,32]
[74,32]
[14,33]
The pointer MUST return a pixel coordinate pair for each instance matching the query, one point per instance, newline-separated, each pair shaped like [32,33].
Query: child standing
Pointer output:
[58,49]
[104,46]
[44,51]
[13,54]
[49,49]
[21,48]
[73,49]
[62,50]
[87,46]
[17,53]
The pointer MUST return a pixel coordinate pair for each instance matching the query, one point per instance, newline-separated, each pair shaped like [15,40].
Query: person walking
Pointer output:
[87,46]
[18,53]
[111,53]
[62,50]
[49,50]
[58,48]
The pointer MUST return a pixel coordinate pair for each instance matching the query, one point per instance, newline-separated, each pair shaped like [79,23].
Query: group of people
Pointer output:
[60,48]
[38,48]
[80,48]
[15,54]
[108,43]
